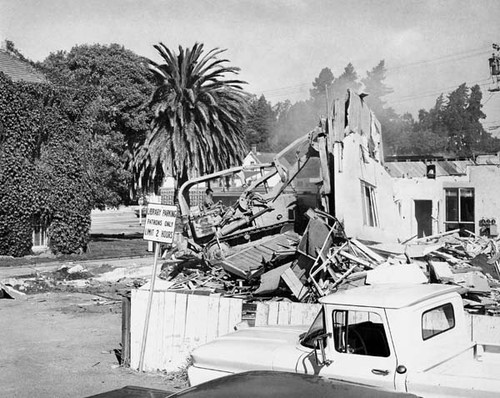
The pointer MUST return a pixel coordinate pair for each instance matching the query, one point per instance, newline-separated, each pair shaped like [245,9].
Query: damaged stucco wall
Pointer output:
[482,178]
[353,173]
[485,180]
[362,185]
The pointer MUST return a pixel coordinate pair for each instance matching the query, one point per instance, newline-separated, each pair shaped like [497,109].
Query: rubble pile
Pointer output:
[323,260]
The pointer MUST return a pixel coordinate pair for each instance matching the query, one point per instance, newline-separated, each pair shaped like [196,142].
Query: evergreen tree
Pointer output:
[260,124]
[347,80]
[376,88]
[320,84]
[456,121]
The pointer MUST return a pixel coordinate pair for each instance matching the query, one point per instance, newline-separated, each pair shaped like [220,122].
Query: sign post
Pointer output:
[159,228]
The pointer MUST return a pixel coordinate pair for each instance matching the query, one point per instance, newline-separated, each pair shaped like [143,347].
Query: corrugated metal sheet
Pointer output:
[418,169]
[251,258]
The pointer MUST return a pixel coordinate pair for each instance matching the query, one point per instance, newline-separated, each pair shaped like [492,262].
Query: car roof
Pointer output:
[265,384]
[388,295]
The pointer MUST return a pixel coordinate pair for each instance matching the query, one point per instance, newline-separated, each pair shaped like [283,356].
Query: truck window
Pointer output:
[317,328]
[360,332]
[437,321]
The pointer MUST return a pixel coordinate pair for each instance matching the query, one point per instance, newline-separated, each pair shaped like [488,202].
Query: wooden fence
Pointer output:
[285,313]
[180,322]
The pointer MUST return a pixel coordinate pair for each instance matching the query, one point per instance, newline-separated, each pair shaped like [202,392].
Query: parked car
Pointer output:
[263,384]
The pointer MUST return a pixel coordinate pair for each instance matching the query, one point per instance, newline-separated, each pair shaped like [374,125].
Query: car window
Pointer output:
[437,320]
[360,332]
[317,328]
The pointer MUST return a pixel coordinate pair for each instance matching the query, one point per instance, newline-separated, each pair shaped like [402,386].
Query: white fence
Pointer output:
[180,322]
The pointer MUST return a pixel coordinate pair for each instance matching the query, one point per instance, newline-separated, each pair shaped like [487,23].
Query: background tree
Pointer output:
[376,89]
[110,85]
[347,80]
[259,124]
[198,116]
[451,128]
[320,85]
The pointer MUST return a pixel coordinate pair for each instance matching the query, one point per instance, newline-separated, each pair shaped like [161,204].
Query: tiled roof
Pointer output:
[19,70]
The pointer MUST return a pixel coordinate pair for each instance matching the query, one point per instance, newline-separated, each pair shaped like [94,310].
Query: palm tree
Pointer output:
[198,116]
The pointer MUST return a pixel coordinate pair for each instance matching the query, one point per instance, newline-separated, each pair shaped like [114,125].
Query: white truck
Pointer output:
[408,338]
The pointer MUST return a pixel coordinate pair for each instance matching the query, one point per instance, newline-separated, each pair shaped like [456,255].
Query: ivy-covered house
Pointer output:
[18,70]
[45,197]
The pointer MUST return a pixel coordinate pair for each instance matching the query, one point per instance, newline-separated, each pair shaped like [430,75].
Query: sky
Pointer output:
[429,46]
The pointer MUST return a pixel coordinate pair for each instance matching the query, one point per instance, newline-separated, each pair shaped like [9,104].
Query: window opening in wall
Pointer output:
[459,208]
[370,212]
[360,332]
[40,238]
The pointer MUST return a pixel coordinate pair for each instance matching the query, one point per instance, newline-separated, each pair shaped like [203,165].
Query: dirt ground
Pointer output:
[59,339]
[62,345]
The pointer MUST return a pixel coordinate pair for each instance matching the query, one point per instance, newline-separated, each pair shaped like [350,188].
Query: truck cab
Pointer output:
[390,336]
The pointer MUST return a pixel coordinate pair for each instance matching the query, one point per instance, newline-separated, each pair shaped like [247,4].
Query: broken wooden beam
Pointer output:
[351,257]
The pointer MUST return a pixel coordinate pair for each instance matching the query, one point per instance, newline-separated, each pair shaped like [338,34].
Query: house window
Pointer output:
[370,213]
[40,238]
[459,203]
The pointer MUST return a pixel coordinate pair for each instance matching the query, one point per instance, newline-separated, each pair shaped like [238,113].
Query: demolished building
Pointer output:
[266,245]
[357,224]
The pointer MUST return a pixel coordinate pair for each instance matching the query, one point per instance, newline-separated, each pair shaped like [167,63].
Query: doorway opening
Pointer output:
[423,215]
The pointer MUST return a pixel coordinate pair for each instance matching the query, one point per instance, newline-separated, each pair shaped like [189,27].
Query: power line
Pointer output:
[490,97]
[459,56]
[430,94]
[298,88]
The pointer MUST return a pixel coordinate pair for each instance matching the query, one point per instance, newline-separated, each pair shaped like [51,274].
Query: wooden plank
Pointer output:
[339,120]
[223,319]
[355,259]
[126,309]
[213,316]
[139,300]
[262,314]
[153,347]
[179,323]
[344,276]
[369,252]
[296,286]
[284,309]
[272,318]
[168,313]
[197,309]
[235,307]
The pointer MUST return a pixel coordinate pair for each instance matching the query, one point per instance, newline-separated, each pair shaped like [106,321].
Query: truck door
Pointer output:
[360,349]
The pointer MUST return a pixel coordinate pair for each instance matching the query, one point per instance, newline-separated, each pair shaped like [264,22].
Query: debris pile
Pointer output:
[323,260]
